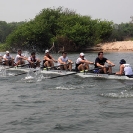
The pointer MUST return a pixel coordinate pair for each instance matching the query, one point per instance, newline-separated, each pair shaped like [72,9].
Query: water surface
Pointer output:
[67,104]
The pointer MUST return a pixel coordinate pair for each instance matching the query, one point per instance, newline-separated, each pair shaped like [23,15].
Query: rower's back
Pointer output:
[127,69]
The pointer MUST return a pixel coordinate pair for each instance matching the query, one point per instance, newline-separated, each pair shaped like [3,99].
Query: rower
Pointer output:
[64,62]
[82,63]
[20,59]
[48,60]
[8,60]
[100,63]
[1,58]
[33,61]
[125,69]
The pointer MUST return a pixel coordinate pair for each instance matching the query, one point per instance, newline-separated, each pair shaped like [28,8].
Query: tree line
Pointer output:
[65,28]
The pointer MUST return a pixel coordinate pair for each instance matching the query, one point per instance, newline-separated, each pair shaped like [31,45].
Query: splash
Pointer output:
[34,75]
[2,72]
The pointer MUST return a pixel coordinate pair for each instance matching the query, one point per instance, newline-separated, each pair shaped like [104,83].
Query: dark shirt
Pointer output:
[101,62]
[33,59]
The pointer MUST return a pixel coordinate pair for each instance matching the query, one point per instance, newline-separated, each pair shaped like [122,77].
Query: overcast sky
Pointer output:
[117,11]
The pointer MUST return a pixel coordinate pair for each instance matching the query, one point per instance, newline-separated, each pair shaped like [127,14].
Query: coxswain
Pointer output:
[125,69]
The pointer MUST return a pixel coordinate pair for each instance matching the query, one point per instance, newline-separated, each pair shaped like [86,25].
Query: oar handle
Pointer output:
[111,65]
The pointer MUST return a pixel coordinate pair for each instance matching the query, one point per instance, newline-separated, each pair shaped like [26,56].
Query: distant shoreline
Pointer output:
[120,46]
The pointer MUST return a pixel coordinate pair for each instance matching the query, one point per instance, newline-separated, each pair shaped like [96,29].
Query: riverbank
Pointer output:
[113,46]
[124,46]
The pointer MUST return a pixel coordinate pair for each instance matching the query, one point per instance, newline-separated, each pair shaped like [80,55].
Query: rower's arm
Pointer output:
[109,62]
[46,58]
[22,57]
[86,61]
[54,59]
[4,59]
[60,61]
[70,61]
[99,65]
[91,62]
[29,61]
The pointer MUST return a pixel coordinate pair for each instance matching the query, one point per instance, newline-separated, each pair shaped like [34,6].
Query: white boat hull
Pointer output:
[104,76]
[83,75]
[59,72]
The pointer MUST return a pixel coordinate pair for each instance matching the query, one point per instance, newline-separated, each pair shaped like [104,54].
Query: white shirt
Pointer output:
[17,58]
[63,59]
[7,57]
[78,61]
[127,69]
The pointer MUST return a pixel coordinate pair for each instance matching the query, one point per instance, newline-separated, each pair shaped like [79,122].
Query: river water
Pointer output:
[70,104]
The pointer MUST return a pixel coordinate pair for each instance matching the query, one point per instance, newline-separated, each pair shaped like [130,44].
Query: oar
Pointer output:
[24,73]
[49,68]
[22,65]
[20,73]
[16,66]
[62,75]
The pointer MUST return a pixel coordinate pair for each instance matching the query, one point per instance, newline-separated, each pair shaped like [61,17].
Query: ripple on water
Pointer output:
[122,94]
[70,87]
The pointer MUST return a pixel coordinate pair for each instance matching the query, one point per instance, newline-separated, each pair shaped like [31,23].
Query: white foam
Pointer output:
[123,94]
[65,87]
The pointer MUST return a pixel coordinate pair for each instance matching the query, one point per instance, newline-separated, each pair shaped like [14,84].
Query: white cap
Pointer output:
[46,51]
[82,54]
[7,52]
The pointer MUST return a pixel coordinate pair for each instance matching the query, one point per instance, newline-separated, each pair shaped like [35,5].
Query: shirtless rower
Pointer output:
[48,60]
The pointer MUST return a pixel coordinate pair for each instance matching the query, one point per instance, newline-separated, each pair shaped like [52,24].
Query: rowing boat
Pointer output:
[59,72]
[104,76]
[83,75]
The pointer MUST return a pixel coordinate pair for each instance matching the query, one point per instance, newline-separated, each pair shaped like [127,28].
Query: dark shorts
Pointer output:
[76,67]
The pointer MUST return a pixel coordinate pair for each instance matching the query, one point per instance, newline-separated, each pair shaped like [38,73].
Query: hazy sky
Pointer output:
[113,10]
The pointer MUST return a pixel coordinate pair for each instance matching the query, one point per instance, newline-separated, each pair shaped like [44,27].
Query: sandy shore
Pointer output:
[117,46]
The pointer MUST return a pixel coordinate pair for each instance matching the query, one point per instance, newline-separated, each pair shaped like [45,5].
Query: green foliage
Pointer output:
[62,26]
[6,29]
[122,32]
[3,47]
